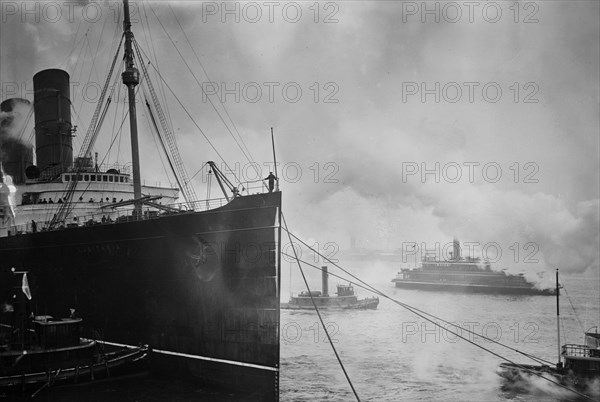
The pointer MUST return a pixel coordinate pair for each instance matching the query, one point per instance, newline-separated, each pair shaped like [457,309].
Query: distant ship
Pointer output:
[345,299]
[468,275]
[175,277]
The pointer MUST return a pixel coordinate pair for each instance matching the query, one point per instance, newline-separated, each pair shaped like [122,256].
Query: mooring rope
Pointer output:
[424,315]
[337,356]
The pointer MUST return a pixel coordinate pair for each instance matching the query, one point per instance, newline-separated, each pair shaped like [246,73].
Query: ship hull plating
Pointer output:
[201,288]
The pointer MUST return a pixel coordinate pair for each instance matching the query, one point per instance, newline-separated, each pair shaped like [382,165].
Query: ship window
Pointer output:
[93,177]
[121,179]
[104,178]
[110,178]
[87,177]
[67,177]
[78,177]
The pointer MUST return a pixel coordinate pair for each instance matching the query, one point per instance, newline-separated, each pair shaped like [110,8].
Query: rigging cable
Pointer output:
[181,174]
[247,156]
[160,86]
[124,115]
[92,132]
[150,116]
[191,118]
[73,47]
[26,123]
[413,310]
[150,121]
[374,290]
[424,315]
[573,307]
[539,360]
[79,78]
[93,68]
[378,292]
[318,313]
[112,143]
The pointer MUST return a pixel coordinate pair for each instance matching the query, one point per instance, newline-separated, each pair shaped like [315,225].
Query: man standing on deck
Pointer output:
[271,177]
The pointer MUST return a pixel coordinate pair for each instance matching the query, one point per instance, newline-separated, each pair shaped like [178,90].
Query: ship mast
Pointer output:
[131,78]
[558,319]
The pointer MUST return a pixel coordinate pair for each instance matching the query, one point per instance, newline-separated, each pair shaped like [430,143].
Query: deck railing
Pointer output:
[116,214]
[579,351]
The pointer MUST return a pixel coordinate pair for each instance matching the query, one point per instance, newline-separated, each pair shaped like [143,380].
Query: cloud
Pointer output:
[361,142]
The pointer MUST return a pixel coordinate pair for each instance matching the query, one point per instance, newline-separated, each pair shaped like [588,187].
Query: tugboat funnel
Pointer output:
[324,279]
[456,250]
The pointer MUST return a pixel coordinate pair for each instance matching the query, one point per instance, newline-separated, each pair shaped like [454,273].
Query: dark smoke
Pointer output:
[14,115]
[15,151]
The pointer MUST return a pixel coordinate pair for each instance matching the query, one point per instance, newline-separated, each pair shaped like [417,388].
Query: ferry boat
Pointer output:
[468,275]
[345,298]
[139,267]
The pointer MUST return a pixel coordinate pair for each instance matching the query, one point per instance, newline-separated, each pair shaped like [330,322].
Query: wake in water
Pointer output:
[544,388]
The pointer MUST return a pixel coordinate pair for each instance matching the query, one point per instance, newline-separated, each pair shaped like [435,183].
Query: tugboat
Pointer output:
[40,351]
[345,299]
[581,366]
[468,275]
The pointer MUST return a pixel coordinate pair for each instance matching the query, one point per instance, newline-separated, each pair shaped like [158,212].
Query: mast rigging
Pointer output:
[131,78]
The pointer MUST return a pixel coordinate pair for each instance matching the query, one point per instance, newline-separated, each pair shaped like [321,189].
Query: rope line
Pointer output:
[245,151]
[378,292]
[573,307]
[319,313]
[424,315]
[189,115]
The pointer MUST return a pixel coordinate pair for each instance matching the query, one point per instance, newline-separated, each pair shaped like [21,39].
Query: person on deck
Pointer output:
[271,177]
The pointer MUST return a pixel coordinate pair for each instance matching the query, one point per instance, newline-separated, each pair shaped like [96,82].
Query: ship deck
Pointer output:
[470,287]
[112,214]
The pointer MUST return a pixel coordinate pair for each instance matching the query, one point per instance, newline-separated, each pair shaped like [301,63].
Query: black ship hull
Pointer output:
[471,288]
[201,288]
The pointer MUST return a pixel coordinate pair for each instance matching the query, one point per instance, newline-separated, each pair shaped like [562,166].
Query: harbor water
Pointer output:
[391,354]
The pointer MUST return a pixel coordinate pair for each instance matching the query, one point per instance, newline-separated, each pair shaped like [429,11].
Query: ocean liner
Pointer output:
[198,281]
[464,274]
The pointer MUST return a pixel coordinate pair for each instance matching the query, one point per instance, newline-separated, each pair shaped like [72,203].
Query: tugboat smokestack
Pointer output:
[456,250]
[324,279]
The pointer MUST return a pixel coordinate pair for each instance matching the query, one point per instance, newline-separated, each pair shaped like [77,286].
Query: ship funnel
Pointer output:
[15,154]
[53,130]
[324,280]
[456,250]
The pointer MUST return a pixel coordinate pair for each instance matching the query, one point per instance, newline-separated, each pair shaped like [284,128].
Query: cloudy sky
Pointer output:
[393,122]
